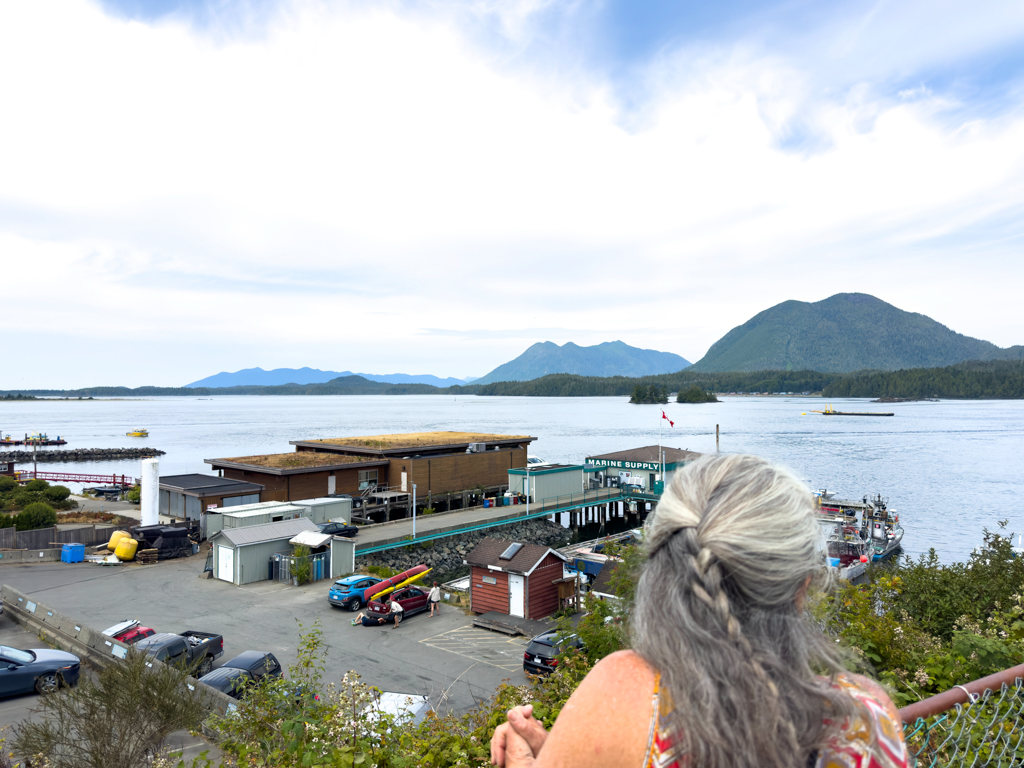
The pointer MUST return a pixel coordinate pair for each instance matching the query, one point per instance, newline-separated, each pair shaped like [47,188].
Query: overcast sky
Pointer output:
[188,187]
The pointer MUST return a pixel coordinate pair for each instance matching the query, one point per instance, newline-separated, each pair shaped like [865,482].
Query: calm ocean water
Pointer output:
[950,468]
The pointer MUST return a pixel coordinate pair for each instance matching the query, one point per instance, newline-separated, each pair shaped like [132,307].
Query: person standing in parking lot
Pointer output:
[396,610]
[435,599]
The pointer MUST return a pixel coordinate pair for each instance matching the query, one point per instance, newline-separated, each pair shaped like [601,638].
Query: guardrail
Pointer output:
[551,506]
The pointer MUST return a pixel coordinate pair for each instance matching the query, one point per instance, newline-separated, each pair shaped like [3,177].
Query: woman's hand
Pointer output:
[519,740]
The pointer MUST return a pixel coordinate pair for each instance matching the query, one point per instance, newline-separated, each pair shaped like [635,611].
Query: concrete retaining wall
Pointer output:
[21,556]
[74,636]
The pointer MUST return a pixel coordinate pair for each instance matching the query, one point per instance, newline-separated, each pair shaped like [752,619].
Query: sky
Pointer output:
[193,186]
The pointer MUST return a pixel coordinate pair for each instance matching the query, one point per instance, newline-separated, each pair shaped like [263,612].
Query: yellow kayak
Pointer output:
[378,594]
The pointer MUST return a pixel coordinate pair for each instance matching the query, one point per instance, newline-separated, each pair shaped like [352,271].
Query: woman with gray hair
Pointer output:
[726,669]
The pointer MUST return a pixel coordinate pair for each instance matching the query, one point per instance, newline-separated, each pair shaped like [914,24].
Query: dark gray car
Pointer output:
[41,669]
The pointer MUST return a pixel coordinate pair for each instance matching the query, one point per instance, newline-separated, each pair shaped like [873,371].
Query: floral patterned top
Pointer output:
[871,739]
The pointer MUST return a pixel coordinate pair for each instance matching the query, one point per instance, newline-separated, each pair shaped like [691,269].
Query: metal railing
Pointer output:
[977,724]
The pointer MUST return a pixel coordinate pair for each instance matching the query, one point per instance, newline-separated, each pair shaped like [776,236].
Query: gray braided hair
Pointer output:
[731,545]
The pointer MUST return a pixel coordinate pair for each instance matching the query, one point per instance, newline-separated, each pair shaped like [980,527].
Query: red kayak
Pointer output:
[395,581]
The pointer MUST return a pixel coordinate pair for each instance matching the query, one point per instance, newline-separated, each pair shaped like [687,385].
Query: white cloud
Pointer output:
[323,192]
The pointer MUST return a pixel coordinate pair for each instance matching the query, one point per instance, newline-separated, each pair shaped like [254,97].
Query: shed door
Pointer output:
[225,563]
[516,595]
[331,484]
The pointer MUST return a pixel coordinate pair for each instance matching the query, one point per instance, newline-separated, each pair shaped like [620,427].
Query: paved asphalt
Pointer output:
[442,657]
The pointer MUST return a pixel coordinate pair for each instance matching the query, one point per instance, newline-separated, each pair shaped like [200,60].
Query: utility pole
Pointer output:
[414,510]
[717,449]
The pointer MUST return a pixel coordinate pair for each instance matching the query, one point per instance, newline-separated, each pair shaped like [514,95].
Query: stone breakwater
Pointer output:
[445,556]
[80,454]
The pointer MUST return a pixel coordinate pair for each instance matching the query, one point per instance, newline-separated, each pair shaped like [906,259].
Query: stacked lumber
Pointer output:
[146,556]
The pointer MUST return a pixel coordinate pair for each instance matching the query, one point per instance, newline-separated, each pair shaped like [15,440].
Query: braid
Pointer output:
[708,587]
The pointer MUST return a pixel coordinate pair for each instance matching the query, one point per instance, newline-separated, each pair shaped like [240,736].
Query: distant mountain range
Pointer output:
[845,332]
[610,358]
[258,377]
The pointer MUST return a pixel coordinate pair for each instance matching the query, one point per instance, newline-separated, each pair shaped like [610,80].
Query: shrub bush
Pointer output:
[7,484]
[36,485]
[57,493]
[36,515]
[134,494]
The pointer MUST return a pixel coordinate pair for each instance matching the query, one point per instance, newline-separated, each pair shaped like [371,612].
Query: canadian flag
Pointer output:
[666,418]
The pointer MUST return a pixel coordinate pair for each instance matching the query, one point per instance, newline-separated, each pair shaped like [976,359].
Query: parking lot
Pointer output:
[17,709]
[443,657]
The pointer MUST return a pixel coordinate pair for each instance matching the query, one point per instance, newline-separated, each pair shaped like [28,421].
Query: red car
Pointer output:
[129,632]
[412,599]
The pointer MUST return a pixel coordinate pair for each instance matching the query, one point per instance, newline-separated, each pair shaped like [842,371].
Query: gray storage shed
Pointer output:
[189,496]
[327,509]
[548,481]
[259,514]
[242,555]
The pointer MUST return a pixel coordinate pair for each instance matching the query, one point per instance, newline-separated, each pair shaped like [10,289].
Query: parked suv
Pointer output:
[412,599]
[541,655]
[349,592]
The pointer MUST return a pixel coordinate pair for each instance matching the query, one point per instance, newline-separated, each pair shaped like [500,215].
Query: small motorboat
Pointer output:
[138,433]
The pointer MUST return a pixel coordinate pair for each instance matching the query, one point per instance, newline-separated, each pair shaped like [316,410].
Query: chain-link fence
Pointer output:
[987,730]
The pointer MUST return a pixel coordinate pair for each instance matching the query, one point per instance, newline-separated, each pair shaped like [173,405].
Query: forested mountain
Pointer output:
[846,332]
[257,377]
[610,358]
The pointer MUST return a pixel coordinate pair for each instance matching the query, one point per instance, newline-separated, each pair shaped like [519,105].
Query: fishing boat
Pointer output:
[830,411]
[138,433]
[7,440]
[878,528]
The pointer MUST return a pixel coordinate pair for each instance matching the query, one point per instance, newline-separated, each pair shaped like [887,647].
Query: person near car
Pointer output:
[726,668]
[435,598]
[396,611]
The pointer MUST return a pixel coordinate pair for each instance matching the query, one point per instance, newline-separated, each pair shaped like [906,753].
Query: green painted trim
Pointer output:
[506,521]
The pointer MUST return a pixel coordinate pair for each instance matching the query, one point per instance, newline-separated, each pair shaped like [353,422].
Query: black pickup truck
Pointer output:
[189,649]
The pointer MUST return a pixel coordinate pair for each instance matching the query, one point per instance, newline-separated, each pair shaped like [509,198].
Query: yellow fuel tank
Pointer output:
[116,537]
[126,548]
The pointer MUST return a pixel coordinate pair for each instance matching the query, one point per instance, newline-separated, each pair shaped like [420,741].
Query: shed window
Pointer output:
[490,580]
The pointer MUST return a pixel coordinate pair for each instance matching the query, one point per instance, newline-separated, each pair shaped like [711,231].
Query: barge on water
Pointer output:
[36,438]
[830,411]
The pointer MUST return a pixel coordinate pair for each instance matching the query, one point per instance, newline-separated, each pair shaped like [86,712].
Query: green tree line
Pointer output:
[992,379]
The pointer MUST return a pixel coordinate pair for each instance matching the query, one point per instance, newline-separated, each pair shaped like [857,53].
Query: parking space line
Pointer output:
[480,645]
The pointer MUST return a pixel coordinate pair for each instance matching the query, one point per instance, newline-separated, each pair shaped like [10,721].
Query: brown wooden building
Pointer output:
[514,579]
[439,463]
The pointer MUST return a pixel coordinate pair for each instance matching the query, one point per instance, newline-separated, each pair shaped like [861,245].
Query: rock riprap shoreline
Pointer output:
[445,556]
[80,454]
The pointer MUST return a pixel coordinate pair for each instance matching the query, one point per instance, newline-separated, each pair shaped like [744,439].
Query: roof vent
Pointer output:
[476,448]
[511,552]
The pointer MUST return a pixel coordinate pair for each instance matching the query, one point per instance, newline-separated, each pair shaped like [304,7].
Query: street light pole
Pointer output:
[527,487]
[414,510]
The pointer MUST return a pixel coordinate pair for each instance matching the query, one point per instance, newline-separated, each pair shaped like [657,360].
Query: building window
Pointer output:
[367,478]
[490,580]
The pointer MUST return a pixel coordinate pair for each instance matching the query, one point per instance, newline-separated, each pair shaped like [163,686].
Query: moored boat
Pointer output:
[877,535]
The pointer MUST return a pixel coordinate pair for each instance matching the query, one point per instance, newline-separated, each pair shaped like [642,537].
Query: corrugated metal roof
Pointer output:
[277,509]
[311,539]
[258,534]
[649,454]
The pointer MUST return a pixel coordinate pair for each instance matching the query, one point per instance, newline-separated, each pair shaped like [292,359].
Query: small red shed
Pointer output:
[513,578]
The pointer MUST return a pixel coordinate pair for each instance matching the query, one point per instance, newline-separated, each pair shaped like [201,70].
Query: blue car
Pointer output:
[41,669]
[350,591]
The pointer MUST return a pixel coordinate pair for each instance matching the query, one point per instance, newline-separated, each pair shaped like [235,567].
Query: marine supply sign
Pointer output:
[596,464]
